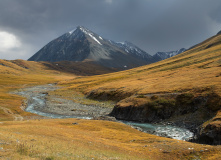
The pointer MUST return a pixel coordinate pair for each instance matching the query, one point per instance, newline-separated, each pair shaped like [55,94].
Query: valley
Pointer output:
[175,90]
[38,137]
[41,102]
[50,110]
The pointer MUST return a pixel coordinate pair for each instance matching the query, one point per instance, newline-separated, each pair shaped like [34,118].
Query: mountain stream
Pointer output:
[40,103]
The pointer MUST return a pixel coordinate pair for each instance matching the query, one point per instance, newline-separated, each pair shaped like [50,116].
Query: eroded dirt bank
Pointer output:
[196,113]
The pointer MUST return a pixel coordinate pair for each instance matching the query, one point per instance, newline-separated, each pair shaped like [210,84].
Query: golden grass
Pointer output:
[91,139]
[196,69]
[18,74]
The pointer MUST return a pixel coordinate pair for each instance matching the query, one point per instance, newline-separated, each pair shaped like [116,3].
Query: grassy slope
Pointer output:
[59,139]
[196,69]
[18,74]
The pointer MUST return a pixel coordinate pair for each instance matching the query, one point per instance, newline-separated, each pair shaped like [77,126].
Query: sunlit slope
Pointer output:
[17,74]
[197,69]
[91,139]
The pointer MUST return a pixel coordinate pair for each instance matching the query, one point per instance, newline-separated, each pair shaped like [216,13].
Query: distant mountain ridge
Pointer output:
[82,44]
[164,55]
[133,50]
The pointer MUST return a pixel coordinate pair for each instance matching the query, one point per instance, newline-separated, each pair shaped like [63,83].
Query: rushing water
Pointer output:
[163,130]
[37,102]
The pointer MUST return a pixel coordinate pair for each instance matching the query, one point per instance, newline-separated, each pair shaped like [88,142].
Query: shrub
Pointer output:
[162,103]
[140,96]
[214,102]
[22,149]
[154,97]
[185,98]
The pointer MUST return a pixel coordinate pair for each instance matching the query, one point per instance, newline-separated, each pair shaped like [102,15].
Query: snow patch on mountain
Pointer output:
[70,32]
[86,31]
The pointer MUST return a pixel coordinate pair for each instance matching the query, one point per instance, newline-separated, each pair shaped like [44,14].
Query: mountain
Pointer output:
[219,32]
[82,44]
[164,55]
[134,50]
[184,91]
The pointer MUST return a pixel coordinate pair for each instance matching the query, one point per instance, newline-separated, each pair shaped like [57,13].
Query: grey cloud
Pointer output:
[153,25]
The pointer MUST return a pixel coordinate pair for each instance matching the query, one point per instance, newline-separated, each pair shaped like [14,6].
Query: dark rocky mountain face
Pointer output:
[134,51]
[83,44]
[66,47]
[219,32]
[164,55]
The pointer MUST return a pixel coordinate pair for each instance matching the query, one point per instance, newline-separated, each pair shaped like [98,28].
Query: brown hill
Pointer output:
[178,82]
[184,87]
[194,69]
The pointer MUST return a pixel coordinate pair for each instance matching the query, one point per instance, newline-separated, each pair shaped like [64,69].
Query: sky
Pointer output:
[153,25]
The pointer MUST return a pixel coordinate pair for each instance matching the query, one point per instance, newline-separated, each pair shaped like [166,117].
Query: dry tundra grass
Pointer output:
[92,139]
[196,70]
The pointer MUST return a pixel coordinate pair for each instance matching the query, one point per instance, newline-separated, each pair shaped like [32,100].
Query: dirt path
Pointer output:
[16,117]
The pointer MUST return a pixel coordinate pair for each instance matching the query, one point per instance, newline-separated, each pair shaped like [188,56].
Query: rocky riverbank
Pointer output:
[196,113]
[39,101]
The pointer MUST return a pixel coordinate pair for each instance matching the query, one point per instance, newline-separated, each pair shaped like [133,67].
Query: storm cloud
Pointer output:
[153,25]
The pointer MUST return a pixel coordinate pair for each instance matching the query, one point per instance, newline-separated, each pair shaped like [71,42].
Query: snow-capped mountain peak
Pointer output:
[81,29]
[82,44]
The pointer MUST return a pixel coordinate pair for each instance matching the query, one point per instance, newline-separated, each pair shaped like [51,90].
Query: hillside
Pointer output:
[66,139]
[86,68]
[190,78]
[18,74]
[194,69]
[176,90]
[23,138]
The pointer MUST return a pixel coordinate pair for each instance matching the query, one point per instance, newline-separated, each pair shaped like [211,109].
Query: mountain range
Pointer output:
[164,55]
[82,44]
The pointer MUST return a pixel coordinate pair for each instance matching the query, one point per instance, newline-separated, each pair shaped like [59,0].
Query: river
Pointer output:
[39,103]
